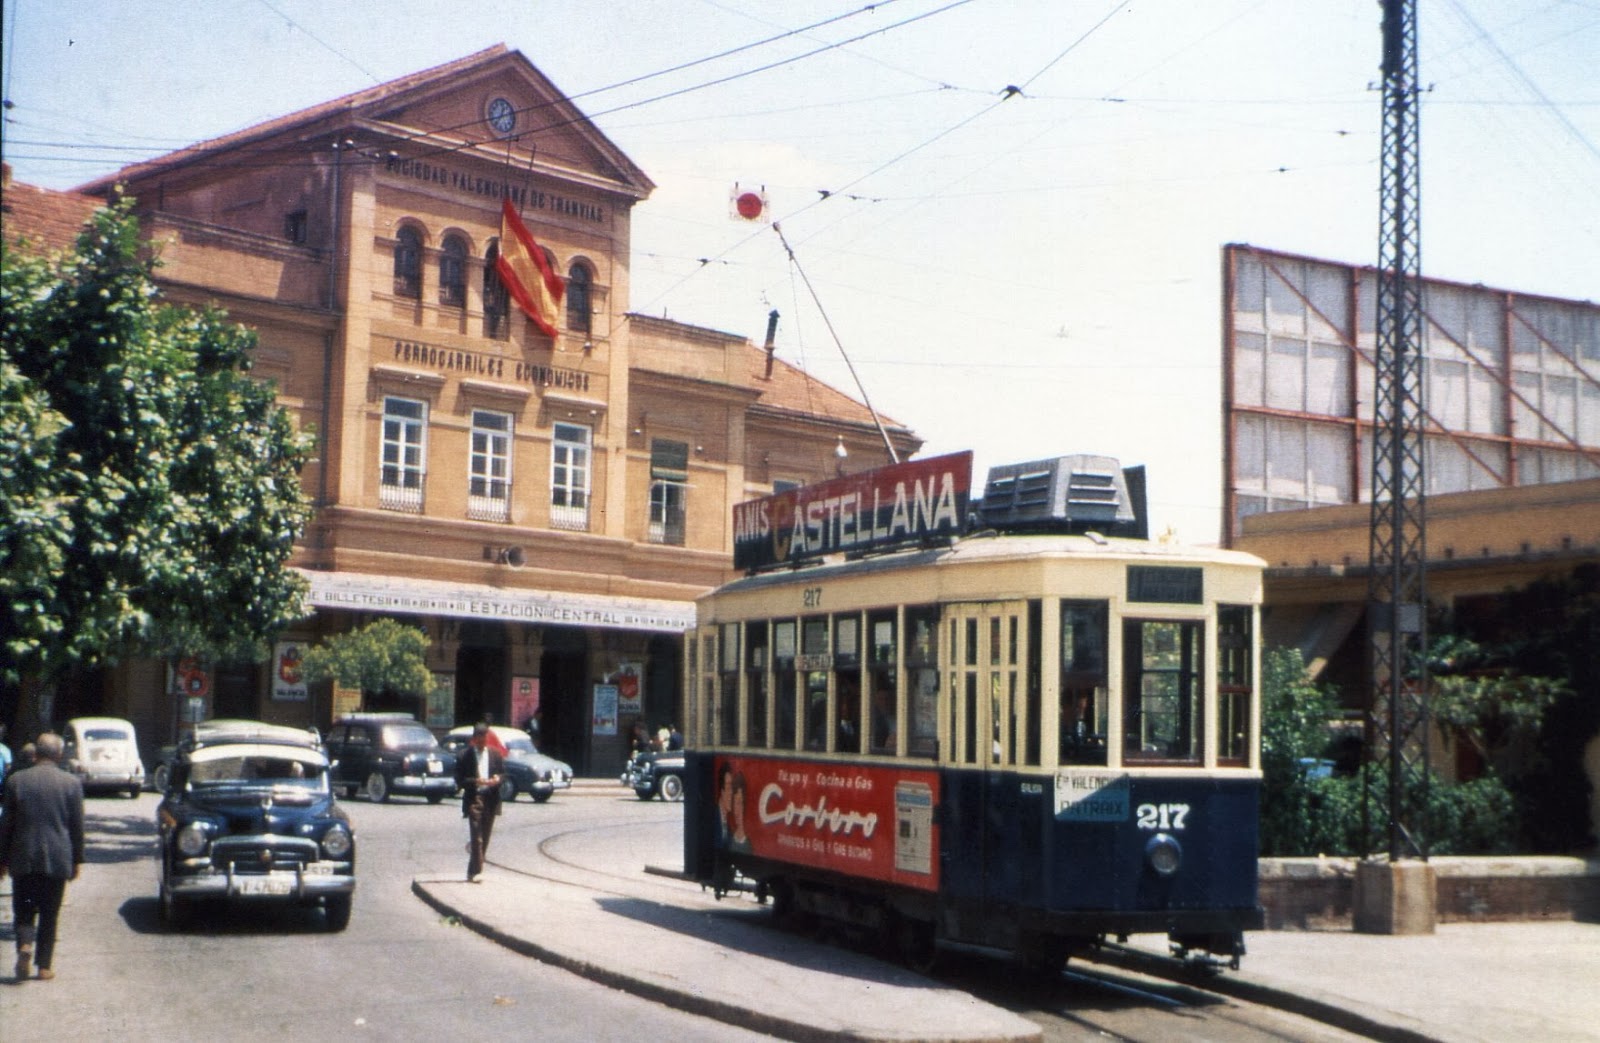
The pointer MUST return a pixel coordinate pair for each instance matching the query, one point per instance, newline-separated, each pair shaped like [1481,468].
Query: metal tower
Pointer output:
[1397,591]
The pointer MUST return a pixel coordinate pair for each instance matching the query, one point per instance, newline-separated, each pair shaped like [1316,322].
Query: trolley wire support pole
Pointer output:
[1397,589]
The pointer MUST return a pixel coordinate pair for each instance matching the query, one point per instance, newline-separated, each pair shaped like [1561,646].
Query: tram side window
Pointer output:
[922,681]
[784,680]
[708,706]
[1163,690]
[756,681]
[1234,684]
[814,663]
[729,676]
[883,711]
[1084,689]
[847,684]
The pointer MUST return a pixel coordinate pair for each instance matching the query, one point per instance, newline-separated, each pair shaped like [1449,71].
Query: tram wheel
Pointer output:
[915,943]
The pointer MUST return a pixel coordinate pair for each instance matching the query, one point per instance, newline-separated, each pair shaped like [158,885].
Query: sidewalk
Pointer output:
[674,944]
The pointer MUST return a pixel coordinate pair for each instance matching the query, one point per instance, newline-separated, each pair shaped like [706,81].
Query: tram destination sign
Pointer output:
[892,506]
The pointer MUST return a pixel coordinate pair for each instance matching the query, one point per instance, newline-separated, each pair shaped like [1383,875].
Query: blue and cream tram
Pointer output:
[1030,729]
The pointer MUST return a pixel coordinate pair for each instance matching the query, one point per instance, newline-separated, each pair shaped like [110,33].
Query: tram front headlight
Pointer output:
[1164,854]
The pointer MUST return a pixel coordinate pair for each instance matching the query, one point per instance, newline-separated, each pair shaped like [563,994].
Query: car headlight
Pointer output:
[191,840]
[336,842]
[1164,854]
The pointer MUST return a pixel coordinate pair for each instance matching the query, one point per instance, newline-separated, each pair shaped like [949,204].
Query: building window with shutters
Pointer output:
[489,481]
[579,310]
[403,474]
[408,263]
[569,477]
[669,485]
[453,272]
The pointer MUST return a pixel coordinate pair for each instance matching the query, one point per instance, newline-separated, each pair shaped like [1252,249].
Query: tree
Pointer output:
[383,657]
[1295,713]
[149,488]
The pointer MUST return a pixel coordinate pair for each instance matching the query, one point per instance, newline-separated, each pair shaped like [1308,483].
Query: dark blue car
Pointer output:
[249,816]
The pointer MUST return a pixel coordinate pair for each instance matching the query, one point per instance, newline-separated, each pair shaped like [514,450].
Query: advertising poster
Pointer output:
[630,689]
[524,700]
[287,683]
[442,701]
[858,819]
[605,709]
[345,701]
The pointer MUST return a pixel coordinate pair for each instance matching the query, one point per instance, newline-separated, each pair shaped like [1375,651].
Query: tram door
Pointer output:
[986,661]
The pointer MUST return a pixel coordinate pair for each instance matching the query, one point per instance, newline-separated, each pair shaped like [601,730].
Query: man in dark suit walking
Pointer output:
[41,845]
[478,772]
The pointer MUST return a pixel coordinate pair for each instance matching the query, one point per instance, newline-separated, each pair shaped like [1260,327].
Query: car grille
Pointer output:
[262,853]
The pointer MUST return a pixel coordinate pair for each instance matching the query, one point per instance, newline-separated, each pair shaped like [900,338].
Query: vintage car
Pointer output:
[655,774]
[249,816]
[527,770]
[103,753]
[379,754]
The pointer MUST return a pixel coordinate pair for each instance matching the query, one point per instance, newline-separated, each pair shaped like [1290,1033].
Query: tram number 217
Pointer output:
[1162,816]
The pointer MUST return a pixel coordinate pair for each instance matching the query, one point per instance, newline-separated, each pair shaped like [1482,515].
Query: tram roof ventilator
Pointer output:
[1076,494]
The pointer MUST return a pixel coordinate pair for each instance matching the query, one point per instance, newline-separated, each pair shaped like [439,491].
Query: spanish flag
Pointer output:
[526,272]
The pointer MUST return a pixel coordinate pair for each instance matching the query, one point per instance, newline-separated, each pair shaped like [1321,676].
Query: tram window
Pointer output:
[784,680]
[847,722]
[1163,686]
[1034,724]
[708,660]
[1084,709]
[729,676]
[922,681]
[1234,684]
[883,720]
[756,681]
[815,660]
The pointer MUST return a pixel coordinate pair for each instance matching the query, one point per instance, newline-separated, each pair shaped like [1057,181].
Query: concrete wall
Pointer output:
[1318,893]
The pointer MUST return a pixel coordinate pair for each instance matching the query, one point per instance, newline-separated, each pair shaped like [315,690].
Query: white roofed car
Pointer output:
[103,752]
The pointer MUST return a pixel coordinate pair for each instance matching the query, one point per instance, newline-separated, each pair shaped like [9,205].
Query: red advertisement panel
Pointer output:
[864,820]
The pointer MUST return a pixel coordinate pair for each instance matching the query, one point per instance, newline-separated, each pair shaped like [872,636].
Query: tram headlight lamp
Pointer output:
[1164,854]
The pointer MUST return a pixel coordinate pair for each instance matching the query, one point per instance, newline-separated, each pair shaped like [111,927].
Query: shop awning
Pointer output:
[359,592]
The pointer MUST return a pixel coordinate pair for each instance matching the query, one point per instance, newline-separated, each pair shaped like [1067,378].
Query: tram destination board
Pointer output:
[902,504]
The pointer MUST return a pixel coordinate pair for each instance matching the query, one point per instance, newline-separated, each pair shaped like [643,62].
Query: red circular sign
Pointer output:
[749,205]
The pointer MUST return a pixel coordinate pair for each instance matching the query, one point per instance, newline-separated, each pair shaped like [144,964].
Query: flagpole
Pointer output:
[894,457]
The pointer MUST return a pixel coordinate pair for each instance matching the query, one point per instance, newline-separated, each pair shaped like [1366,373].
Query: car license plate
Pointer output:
[261,885]
[435,767]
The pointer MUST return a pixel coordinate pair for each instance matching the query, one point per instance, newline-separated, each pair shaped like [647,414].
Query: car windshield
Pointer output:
[519,746]
[408,737]
[104,734]
[283,770]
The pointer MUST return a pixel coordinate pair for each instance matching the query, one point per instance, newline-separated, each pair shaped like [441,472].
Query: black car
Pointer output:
[526,769]
[249,816]
[379,754]
[655,774]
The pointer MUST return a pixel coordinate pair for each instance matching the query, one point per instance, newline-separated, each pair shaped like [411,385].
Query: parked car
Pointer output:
[527,770]
[249,816]
[655,774]
[379,754]
[103,753]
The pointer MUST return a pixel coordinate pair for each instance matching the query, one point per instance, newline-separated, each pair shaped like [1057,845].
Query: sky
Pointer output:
[1004,218]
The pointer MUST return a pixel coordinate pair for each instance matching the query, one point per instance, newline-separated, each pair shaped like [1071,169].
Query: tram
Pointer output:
[1015,723]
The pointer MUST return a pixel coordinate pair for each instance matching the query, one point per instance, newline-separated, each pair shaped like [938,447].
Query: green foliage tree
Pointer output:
[149,488]
[1294,729]
[382,657]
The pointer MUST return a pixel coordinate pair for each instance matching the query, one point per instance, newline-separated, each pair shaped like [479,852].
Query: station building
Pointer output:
[545,503]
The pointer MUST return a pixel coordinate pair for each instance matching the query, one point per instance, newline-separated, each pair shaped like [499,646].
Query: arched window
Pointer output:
[579,311]
[453,272]
[408,263]
[496,301]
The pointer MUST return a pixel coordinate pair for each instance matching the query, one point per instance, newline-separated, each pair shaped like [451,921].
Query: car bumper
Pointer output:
[428,784]
[111,777]
[288,885]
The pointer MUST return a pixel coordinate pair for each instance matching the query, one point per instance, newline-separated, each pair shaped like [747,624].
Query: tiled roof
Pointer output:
[792,389]
[48,219]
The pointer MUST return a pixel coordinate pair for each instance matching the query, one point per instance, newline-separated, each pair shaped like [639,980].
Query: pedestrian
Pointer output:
[41,846]
[5,756]
[478,772]
[674,738]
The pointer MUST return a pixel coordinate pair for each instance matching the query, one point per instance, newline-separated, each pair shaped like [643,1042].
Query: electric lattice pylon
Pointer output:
[1397,590]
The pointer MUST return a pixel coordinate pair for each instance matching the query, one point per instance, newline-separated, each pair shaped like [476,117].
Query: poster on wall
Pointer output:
[288,685]
[524,700]
[442,701]
[345,701]
[630,689]
[605,709]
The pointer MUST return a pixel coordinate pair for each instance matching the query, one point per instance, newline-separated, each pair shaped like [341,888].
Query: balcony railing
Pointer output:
[564,517]
[489,500]
[401,491]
